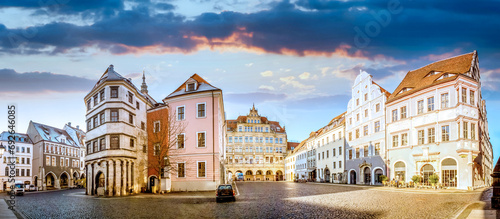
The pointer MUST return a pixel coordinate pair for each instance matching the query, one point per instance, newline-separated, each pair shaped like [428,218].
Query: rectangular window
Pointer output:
[377,148]
[115,142]
[471,98]
[340,164]
[420,107]
[28,160]
[350,136]
[137,104]
[431,135]
[357,133]
[466,129]
[365,130]
[340,150]
[444,101]
[365,151]
[366,112]
[114,115]
[421,137]
[96,99]
[201,110]
[102,94]
[102,118]
[404,139]
[95,146]
[157,126]
[357,117]
[366,97]
[143,126]
[403,112]
[377,126]
[445,133]
[180,170]
[47,160]
[22,172]
[156,149]
[333,152]
[430,104]
[395,141]
[88,104]
[201,169]
[102,142]
[132,142]
[201,140]
[96,123]
[190,87]
[350,154]
[472,132]
[357,152]
[395,115]
[377,107]
[114,92]
[28,172]
[464,95]
[180,141]
[180,113]
[131,98]
[130,118]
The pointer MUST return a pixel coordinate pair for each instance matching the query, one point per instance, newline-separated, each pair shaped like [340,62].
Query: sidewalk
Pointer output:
[5,212]
[408,190]
[480,209]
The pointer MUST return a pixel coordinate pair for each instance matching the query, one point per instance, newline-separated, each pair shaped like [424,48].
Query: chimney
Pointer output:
[69,124]
[77,127]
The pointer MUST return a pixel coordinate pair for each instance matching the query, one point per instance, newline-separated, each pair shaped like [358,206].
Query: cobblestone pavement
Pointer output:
[256,200]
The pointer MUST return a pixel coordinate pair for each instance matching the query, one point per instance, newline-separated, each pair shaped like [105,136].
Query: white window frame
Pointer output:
[197,172]
[184,169]
[197,139]
[184,141]
[205,103]
[177,113]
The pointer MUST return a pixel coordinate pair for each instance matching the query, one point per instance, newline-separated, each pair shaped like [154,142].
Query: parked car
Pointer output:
[31,188]
[225,192]
[19,188]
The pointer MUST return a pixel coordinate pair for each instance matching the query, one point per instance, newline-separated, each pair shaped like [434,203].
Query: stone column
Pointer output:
[128,178]
[122,177]
[118,177]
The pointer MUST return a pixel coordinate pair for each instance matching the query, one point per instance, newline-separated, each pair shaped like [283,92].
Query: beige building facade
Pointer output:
[256,148]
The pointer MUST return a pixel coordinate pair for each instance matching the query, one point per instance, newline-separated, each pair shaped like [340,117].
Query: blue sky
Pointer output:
[296,60]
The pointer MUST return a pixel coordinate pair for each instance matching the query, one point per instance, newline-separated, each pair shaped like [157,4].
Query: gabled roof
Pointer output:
[49,133]
[289,145]
[202,85]
[232,124]
[386,93]
[420,78]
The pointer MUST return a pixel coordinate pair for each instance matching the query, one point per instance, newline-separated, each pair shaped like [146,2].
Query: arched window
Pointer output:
[400,170]
[449,172]
[426,171]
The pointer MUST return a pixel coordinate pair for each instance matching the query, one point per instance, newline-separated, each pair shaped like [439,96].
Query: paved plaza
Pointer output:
[256,200]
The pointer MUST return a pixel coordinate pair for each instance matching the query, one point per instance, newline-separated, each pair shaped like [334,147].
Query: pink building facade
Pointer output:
[199,156]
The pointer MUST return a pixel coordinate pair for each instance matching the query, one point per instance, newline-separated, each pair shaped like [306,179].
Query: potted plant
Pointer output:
[416,180]
[383,179]
[433,179]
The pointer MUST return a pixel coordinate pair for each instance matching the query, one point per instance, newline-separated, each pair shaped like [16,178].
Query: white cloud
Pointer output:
[290,80]
[285,69]
[266,74]
[304,75]
[266,87]
[249,64]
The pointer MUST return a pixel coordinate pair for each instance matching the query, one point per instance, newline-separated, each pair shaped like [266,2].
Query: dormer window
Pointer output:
[190,87]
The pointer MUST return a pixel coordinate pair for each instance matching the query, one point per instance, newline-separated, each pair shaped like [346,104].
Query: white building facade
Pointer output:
[23,157]
[435,125]
[365,129]
[116,139]
[330,159]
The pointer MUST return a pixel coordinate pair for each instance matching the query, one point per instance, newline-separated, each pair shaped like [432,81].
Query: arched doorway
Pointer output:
[426,171]
[64,180]
[400,171]
[239,176]
[99,181]
[352,176]
[449,172]
[153,181]
[259,176]
[279,175]
[50,180]
[249,175]
[367,175]
[377,174]
[327,175]
[269,175]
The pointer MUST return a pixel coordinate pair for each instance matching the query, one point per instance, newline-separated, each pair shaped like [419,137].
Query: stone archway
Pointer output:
[100,183]
[50,181]
[64,180]
[248,175]
[327,175]
[352,177]
[269,175]
[279,175]
[153,184]
[259,176]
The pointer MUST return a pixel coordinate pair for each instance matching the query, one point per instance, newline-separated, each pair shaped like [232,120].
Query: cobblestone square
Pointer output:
[255,200]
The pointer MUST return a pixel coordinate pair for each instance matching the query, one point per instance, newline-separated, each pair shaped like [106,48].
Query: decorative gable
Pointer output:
[191,85]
